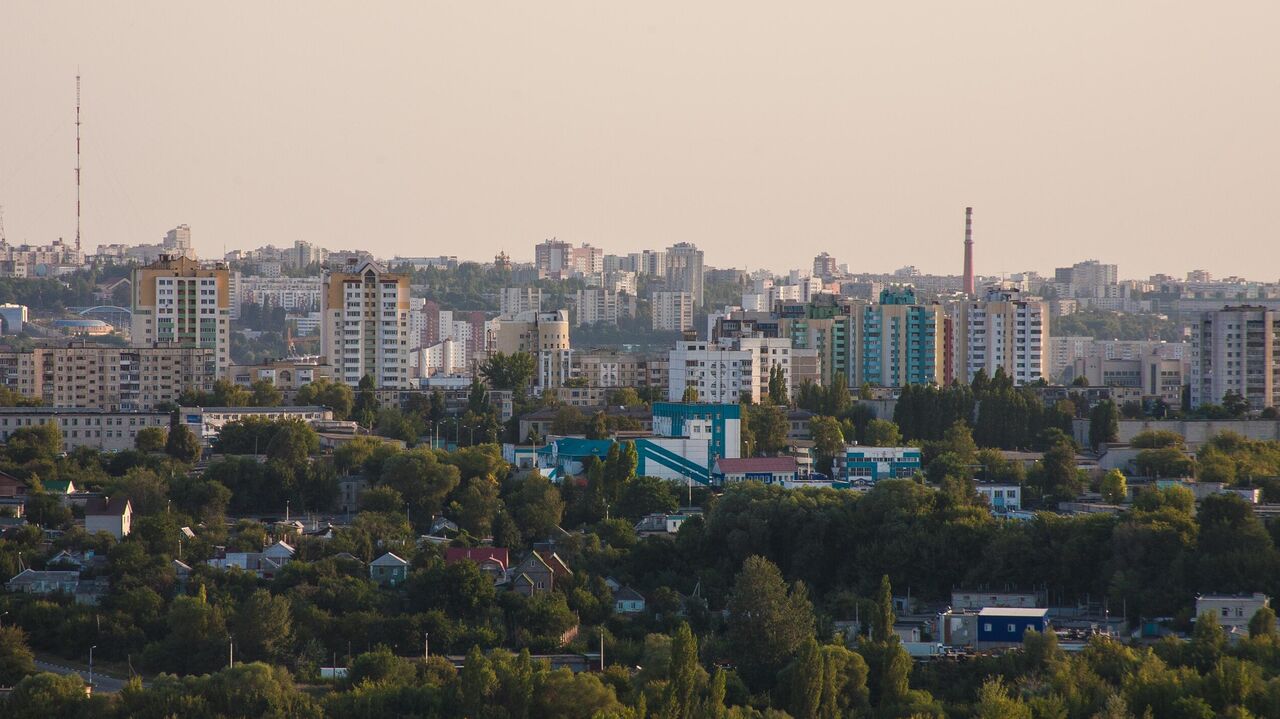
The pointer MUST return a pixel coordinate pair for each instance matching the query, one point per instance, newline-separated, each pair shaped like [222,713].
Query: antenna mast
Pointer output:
[77,162]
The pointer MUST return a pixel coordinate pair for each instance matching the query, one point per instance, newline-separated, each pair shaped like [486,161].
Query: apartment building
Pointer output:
[300,294]
[1000,330]
[365,326]
[896,342]
[684,270]
[726,371]
[596,306]
[545,335]
[672,311]
[1236,349]
[178,302]
[515,300]
[114,379]
[286,375]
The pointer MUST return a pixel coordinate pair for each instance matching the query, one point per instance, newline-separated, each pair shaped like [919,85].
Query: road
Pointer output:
[102,682]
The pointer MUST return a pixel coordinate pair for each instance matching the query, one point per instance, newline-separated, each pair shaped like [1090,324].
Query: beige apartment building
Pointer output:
[364,327]
[114,379]
[104,430]
[179,302]
[545,335]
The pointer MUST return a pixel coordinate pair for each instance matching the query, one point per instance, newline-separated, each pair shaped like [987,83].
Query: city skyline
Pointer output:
[493,128]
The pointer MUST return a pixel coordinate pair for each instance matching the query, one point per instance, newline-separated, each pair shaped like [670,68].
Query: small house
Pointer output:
[111,515]
[770,470]
[31,581]
[1006,625]
[538,573]
[493,561]
[628,601]
[11,486]
[388,570]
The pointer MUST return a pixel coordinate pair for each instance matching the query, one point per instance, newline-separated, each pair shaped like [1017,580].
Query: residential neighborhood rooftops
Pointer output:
[627,594]
[747,465]
[478,555]
[106,506]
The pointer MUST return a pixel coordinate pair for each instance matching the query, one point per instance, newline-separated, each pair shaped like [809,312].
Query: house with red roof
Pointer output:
[493,561]
[770,470]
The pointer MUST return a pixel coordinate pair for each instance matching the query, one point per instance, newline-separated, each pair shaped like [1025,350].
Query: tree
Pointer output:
[1235,404]
[884,618]
[778,385]
[1166,462]
[46,695]
[536,505]
[1104,424]
[1058,476]
[690,395]
[512,372]
[263,626]
[16,659]
[994,702]
[1263,624]
[766,623]
[882,433]
[327,393]
[642,496]
[181,443]
[422,479]
[365,408]
[265,394]
[150,439]
[828,440]
[478,682]
[769,428]
[1113,487]
[684,675]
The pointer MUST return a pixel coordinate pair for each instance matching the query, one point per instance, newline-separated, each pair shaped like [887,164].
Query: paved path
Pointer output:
[103,682]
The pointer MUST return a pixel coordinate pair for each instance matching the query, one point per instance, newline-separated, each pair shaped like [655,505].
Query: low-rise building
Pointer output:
[493,561]
[769,470]
[628,601]
[1000,626]
[978,598]
[99,429]
[1232,610]
[206,422]
[877,463]
[388,570]
[111,515]
[1001,497]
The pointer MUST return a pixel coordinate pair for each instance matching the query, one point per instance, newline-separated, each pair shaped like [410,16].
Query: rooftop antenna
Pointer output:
[3,241]
[77,161]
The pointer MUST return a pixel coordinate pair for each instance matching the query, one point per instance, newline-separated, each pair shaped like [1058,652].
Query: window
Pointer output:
[986,627]
[1013,628]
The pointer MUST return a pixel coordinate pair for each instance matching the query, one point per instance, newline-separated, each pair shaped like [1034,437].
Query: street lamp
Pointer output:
[426,646]
[95,646]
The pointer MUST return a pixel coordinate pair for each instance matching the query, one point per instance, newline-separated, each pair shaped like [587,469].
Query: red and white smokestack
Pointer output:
[968,251]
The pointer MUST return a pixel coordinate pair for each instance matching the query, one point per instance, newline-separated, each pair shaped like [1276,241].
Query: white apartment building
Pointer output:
[1001,330]
[365,329]
[446,357]
[725,372]
[1236,349]
[672,311]
[300,294]
[514,300]
[597,306]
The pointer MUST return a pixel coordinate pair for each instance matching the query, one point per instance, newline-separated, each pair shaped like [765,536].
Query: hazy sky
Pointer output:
[1141,133]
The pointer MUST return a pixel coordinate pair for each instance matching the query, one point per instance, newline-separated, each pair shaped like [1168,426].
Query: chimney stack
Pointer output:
[968,251]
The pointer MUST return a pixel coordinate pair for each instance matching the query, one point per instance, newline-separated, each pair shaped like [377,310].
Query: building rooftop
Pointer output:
[756,464]
[105,506]
[1012,612]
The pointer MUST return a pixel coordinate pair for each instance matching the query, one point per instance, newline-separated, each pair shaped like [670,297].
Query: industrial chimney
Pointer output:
[968,251]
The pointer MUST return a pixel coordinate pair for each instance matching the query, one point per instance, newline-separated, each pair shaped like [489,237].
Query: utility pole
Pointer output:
[231,652]
[95,646]
[426,646]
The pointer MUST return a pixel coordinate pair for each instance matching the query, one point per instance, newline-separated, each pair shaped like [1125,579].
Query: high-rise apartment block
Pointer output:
[672,311]
[117,379]
[1001,330]
[516,300]
[558,259]
[365,325]
[897,342]
[684,270]
[727,371]
[1236,349]
[597,306]
[179,303]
